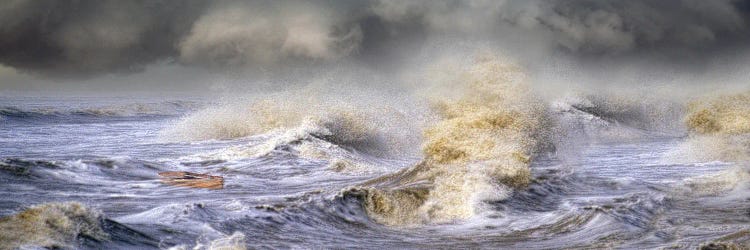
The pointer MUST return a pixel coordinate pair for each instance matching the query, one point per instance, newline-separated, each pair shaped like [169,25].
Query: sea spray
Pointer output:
[371,125]
[50,225]
[718,132]
[727,114]
[480,150]
[236,241]
[719,129]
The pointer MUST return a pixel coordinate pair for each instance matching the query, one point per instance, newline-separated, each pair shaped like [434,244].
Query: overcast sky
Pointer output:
[204,45]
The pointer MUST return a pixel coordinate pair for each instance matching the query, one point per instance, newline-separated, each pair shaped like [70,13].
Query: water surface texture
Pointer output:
[92,166]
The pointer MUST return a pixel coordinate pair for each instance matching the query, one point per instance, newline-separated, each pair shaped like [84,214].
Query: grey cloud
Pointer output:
[79,38]
[584,26]
[622,26]
[70,38]
[248,33]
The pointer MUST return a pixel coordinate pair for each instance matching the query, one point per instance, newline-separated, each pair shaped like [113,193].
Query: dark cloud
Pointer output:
[591,27]
[79,38]
[266,33]
[70,38]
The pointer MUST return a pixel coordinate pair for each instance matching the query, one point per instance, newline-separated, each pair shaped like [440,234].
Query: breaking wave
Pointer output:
[51,225]
[719,129]
[716,183]
[723,115]
[298,119]
[479,132]
[235,241]
[480,150]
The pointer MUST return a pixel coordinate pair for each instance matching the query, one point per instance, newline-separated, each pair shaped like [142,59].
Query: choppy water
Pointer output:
[107,153]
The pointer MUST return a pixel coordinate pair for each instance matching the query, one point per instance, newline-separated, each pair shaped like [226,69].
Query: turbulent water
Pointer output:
[490,166]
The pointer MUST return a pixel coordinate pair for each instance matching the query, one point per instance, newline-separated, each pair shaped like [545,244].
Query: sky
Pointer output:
[173,46]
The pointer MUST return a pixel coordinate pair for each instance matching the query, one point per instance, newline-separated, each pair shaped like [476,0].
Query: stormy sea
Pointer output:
[492,167]
[375,124]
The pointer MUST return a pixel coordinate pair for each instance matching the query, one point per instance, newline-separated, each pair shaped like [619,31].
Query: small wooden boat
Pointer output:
[193,180]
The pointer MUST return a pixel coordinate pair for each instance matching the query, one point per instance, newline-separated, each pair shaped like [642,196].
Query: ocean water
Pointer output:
[490,166]
[106,154]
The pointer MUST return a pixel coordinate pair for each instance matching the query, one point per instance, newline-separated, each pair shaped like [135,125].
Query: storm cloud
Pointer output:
[82,38]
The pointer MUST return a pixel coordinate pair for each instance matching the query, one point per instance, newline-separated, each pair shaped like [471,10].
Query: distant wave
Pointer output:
[617,118]
[125,110]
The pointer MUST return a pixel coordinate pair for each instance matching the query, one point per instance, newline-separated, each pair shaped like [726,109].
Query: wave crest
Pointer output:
[311,121]
[480,150]
[719,129]
[124,110]
[727,115]
[51,225]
